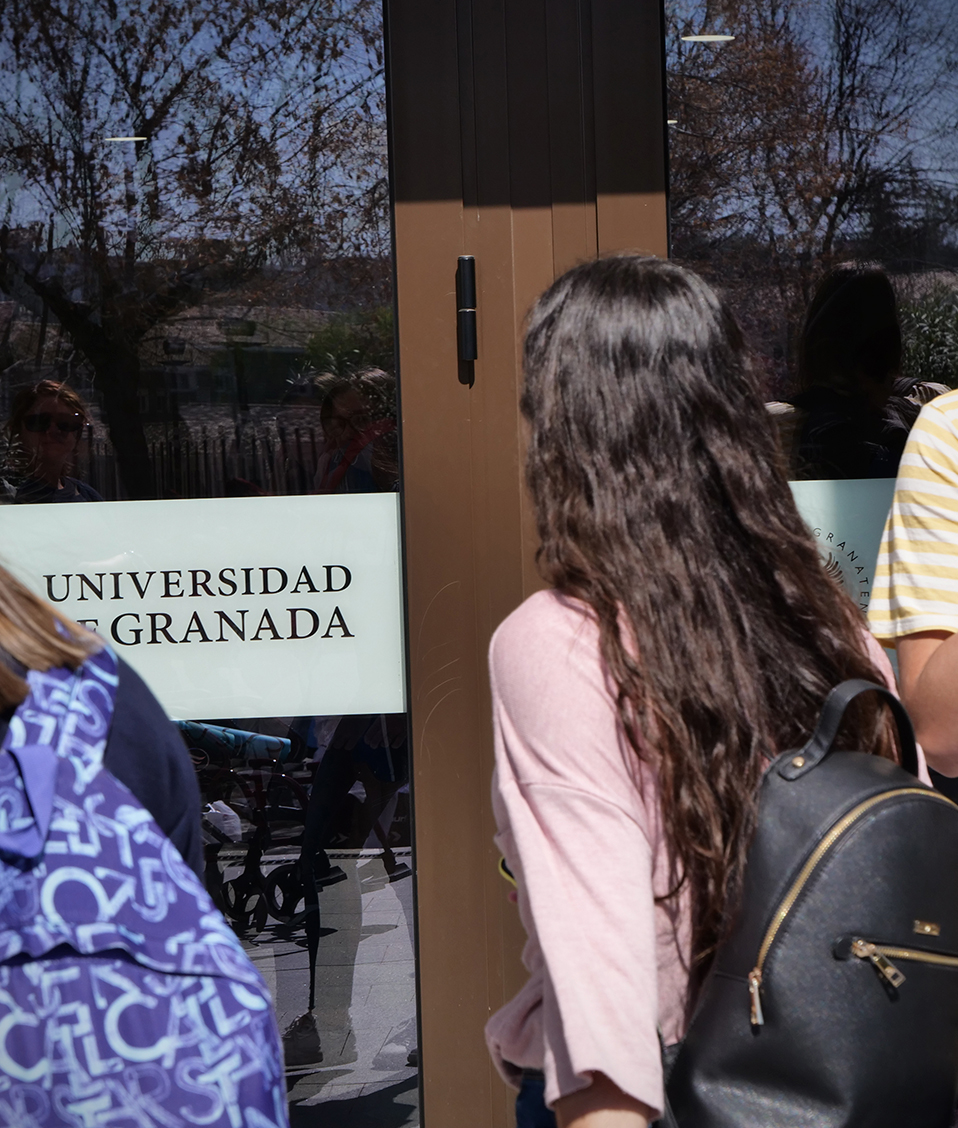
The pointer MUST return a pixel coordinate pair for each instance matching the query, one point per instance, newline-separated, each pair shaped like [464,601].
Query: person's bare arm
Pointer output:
[601,1105]
[928,672]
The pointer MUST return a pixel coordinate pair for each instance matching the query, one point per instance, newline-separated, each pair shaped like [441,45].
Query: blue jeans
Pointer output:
[531,1110]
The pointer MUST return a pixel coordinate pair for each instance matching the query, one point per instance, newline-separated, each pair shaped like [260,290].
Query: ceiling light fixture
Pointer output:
[126,139]
[672,121]
[707,38]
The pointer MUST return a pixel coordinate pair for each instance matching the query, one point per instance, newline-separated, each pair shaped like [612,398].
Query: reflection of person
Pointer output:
[45,425]
[690,631]
[914,600]
[102,915]
[852,424]
[359,425]
[370,750]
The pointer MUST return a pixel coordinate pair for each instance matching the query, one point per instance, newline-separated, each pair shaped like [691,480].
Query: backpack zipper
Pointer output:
[787,903]
[878,955]
[881,956]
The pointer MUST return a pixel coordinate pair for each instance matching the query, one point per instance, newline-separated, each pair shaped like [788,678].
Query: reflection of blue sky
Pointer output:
[933,129]
[276,88]
[925,83]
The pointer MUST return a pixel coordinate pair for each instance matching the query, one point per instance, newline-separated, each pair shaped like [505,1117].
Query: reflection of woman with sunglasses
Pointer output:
[45,425]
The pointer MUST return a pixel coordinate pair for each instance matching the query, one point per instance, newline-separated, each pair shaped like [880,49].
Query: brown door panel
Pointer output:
[497,153]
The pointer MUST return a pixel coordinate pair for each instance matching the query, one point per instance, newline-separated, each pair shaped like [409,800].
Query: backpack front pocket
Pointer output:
[812,865]
[881,957]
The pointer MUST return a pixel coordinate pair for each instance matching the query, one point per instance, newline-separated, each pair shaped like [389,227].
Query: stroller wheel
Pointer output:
[284,891]
[245,905]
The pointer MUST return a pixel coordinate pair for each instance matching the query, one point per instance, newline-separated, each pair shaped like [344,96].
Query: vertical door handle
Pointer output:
[466,308]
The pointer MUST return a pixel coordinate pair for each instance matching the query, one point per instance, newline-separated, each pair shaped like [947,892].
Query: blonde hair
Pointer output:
[36,636]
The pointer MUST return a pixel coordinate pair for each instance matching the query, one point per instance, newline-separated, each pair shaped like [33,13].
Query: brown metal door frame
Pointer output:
[530,135]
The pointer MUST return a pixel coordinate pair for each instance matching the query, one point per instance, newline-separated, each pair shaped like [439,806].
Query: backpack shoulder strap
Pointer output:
[833,711]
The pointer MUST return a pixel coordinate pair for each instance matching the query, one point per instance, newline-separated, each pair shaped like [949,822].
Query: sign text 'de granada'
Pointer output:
[114,590]
[283,606]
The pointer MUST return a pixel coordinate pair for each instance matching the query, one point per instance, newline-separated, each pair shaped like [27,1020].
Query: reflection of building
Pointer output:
[211,386]
[207,354]
[233,355]
[164,387]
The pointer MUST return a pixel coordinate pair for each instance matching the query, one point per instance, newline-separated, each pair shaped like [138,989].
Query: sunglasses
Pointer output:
[40,422]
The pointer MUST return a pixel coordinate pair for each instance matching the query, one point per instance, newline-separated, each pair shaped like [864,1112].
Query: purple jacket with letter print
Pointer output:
[124,995]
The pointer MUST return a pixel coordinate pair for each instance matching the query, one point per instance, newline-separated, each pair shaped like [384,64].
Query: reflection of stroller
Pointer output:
[257,782]
[253,780]
[268,805]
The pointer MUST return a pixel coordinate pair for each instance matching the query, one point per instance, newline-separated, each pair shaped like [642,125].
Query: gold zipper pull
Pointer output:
[866,951]
[755,992]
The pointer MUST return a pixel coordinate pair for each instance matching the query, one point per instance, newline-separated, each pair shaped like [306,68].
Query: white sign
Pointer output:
[231,607]
[848,519]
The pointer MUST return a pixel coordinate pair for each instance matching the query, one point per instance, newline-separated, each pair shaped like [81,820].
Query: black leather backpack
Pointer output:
[834,1001]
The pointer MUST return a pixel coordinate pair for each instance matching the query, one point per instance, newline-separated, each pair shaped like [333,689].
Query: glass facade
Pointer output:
[197,348]
[196,335]
[804,136]
[814,180]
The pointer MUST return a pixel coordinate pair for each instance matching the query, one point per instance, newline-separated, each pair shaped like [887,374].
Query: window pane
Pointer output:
[813,137]
[814,181]
[196,309]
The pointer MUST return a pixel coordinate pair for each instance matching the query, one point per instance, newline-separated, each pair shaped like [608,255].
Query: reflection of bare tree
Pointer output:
[258,142]
[823,124]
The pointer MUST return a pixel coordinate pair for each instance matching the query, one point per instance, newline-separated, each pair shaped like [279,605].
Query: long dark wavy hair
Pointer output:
[662,504]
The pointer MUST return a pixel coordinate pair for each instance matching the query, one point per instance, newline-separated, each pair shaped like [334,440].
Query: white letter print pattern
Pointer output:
[125,998]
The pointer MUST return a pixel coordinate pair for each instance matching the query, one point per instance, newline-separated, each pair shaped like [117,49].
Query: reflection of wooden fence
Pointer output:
[215,458]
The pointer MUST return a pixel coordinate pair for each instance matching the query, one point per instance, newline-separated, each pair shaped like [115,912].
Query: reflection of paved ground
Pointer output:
[365,999]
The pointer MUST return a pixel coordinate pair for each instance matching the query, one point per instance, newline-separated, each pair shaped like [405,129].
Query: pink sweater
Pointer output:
[580,827]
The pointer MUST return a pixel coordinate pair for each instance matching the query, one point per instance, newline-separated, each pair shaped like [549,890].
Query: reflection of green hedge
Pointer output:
[930,329]
[351,341]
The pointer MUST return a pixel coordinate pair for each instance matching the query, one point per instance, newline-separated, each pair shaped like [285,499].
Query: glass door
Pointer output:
[200,460]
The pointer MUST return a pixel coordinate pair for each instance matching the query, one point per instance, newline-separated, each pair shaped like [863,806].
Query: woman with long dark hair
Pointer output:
[690,632]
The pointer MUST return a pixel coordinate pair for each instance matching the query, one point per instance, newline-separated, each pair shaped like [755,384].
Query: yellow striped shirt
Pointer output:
[916,581]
